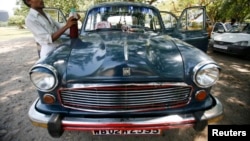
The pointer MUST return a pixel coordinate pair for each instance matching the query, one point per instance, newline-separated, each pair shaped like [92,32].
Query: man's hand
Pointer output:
[71,21]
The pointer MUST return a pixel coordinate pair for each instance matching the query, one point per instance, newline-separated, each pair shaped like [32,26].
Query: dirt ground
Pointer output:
[17,93]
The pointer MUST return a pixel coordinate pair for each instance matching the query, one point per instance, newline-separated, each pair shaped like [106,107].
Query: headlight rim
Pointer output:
[50,69]
[201,65]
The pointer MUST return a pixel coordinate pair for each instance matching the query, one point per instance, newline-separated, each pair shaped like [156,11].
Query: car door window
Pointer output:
[56,14]
[153,21]
[192,20]
[219,28]
[169,20]
[228,26]
[216,27]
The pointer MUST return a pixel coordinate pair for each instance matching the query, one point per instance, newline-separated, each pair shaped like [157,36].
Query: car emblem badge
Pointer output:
[126,72]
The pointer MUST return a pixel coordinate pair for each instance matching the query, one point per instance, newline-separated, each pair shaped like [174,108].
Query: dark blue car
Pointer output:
[140,71]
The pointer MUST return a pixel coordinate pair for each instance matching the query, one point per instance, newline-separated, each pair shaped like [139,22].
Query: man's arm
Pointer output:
[61,30]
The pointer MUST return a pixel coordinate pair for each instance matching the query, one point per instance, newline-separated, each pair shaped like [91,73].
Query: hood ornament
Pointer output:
[126,71]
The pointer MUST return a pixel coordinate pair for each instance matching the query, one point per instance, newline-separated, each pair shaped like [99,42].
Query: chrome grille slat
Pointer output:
[117,105]
[131,91]
[93,94]
[126,97]
[117,96]
[122,98]
[130,103]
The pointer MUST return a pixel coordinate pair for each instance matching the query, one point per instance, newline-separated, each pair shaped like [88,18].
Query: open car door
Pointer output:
[56,14]
[170,22]
[189,27]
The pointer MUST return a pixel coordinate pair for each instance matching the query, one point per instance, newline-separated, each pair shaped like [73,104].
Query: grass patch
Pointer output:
[8,33]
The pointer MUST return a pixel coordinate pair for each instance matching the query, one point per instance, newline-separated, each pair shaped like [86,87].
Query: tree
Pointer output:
[19,15]
[221,10]
[216,9]
[213,10]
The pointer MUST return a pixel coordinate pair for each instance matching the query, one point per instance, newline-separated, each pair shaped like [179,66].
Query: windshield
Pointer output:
[232,28]
[118,17]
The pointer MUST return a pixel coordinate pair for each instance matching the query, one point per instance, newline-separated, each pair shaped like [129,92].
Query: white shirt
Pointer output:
[42,30]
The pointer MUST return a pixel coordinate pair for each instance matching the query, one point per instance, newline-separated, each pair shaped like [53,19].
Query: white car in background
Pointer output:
[231,40]
[220,28]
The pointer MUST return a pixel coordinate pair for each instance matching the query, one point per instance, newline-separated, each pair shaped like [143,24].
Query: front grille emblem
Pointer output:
[126,72]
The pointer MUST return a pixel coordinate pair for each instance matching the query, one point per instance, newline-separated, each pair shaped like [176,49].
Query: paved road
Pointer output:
[17,93]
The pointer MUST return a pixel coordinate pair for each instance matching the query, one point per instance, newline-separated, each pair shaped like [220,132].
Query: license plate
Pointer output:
[127,132]
[220,46]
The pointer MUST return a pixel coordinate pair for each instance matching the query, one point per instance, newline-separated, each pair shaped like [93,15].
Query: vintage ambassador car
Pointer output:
[128,76]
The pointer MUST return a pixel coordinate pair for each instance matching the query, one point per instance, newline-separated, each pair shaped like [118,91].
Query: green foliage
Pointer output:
[224,10]
[64,5]
[217,10]
[237,9]
[3,24]
[17,20]
[19,15]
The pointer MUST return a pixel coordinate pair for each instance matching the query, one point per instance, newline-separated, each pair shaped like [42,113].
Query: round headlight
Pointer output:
[206,75]
[43,78]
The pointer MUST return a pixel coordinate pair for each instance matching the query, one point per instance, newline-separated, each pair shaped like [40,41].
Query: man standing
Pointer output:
[45,30]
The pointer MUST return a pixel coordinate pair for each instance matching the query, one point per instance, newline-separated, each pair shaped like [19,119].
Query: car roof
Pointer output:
[227,25]
[105,4]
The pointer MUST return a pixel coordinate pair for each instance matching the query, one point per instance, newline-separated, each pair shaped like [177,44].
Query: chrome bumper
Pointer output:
[164,122]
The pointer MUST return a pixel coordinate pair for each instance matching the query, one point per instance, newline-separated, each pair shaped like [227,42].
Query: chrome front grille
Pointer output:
[125,98]
[222,43]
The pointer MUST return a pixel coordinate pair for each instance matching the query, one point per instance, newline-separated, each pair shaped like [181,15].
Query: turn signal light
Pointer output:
[201,95]
[49,99]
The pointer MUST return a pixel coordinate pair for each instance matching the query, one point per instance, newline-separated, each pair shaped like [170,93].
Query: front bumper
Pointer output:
[234,50]
[164,122]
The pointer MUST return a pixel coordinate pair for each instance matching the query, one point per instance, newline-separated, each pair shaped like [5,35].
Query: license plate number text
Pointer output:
[127,132]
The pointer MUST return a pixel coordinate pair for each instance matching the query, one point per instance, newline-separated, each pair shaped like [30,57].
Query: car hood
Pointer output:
[232,37]
[121,56]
